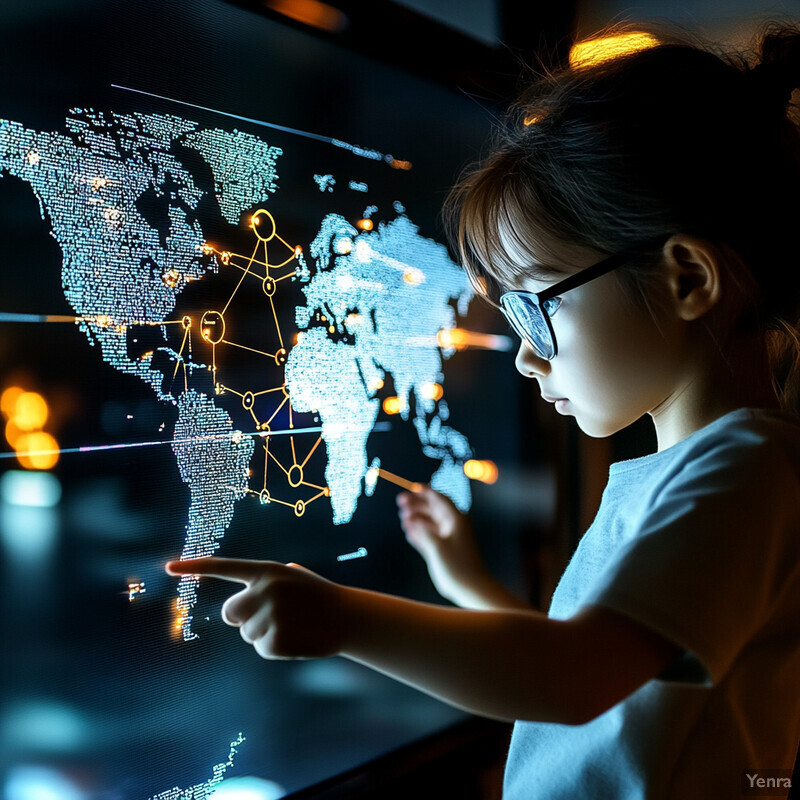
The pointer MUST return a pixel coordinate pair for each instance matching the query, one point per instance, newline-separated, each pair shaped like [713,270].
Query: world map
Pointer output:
[122,200]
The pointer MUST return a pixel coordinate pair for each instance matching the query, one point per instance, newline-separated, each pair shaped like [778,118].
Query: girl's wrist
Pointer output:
[488,594]
[352,610]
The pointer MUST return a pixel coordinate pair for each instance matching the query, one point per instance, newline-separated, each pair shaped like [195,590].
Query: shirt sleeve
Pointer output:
[714,551]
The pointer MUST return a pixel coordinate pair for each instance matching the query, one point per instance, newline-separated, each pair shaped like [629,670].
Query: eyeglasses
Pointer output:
[529,313]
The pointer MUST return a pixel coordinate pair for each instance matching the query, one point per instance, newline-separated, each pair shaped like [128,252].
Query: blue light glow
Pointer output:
[248,788]
[40,783]
[37,489]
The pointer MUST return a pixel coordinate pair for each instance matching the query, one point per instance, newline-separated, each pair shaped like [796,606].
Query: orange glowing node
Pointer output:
[392,405]
[460,339]
[454,337]
[432,391]
[181,615]
[484,471]
[171,278]
[365,224]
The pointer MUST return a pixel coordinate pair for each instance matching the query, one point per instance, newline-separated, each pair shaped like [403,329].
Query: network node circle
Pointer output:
[186,322]
[269,286]
[248,400]
[263,224]
[280,356]
[212,326]
[264,497]
[295,476]
[264,426]
[299,508]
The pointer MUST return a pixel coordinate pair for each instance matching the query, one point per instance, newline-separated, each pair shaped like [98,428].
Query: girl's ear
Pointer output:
[693,275]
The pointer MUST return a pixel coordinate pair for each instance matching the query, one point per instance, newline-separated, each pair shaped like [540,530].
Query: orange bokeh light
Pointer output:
[484,471]
[8,400]
[37,450]
[311,12]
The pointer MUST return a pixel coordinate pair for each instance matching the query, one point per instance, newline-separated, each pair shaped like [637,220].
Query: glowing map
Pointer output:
[123,201]
[207,789]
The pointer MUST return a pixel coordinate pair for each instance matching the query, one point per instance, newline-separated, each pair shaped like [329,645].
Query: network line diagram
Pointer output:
[258,273]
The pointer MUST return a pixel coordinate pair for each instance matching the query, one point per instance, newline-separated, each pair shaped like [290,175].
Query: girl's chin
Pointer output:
[596,428]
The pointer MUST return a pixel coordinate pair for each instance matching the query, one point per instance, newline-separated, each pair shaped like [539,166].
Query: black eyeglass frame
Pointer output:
[572,282]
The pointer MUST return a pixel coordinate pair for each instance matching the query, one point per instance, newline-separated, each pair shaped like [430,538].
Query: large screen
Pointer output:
[229,325]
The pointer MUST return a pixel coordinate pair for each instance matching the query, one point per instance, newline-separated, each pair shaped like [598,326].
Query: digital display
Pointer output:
[229,325]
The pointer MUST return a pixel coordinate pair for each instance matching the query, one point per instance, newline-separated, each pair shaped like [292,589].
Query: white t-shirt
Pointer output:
[700,542]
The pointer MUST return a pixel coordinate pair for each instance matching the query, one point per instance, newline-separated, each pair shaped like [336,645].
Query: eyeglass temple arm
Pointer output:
[595,271]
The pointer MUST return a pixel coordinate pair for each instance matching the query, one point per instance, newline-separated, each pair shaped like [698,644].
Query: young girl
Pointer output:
[637,227]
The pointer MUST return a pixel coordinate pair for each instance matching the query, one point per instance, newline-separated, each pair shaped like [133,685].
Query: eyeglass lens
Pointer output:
[527,319]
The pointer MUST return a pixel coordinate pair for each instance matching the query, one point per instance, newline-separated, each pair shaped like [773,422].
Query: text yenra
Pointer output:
[768,783]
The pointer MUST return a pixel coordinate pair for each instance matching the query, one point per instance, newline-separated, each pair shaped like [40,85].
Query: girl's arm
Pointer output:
[507,665]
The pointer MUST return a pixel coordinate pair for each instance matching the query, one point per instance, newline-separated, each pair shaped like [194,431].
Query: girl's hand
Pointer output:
[443,536]
[285,611]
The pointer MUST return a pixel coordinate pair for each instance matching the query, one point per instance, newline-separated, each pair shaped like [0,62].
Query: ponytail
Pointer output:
[776,77]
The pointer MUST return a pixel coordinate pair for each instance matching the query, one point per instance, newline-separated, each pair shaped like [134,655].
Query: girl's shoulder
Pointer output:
[751,429]
[753,439]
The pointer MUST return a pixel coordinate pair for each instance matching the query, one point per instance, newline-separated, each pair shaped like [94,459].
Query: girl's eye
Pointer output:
[551,305]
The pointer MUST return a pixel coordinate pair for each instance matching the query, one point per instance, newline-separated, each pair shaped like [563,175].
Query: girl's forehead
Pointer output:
[535,266]
[537,260]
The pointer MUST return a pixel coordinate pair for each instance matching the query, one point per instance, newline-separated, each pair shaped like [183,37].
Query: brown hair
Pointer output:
[598,157]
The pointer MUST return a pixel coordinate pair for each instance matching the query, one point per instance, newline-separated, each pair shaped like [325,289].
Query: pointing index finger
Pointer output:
[238,570]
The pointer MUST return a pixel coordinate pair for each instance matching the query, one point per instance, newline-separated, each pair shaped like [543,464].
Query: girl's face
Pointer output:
[613,364]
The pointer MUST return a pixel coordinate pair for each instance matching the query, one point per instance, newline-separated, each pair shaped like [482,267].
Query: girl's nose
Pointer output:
[528,364]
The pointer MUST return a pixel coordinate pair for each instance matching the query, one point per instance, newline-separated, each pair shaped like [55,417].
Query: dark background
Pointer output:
[96,691]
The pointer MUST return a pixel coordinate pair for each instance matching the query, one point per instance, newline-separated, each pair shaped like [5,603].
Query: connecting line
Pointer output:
[103,320]
[277,326]
[244,274]
[286,471]
[11,317]
[311,452]
[244,347]
[380,427]
[180,361]
[364,152]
